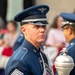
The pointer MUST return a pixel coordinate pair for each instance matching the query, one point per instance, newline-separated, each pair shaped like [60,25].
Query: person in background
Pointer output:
[55,36]
[9,39]
[68,27]
[2,71]
[12,34]
[1,35]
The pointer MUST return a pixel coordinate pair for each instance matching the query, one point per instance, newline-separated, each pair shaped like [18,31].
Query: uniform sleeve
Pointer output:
[17,68]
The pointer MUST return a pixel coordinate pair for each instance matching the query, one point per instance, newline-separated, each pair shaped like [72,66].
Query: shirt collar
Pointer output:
[73,40]
[30,47]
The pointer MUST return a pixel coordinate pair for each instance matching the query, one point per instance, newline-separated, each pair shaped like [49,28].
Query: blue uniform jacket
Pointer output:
[26,60]
[71,52]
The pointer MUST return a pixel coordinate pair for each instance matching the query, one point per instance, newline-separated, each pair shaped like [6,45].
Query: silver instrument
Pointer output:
[64,63]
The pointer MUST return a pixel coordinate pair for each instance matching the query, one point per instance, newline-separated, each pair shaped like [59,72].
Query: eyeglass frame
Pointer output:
[66,27]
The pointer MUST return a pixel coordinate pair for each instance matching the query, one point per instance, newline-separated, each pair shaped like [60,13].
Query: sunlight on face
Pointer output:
[66,32]
[36,33]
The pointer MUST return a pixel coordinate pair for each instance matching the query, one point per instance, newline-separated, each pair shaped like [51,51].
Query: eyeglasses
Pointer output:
[64,28]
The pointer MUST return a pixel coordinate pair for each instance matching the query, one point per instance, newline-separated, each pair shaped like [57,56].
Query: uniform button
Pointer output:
[34,50]
[25,49]
[72,43]
[21,34]
[40,60]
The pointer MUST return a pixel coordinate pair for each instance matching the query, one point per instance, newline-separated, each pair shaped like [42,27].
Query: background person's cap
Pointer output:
[69,19]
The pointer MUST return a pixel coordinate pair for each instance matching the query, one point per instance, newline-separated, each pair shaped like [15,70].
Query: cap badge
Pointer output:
[42,9]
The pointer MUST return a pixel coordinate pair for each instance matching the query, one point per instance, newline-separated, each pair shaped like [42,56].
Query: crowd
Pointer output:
[8,37]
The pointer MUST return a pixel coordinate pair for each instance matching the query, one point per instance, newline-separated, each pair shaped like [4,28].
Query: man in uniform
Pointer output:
[28,59]
[68,28]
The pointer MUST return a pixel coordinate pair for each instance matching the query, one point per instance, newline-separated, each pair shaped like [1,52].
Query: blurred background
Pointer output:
[10,30]
[9,8]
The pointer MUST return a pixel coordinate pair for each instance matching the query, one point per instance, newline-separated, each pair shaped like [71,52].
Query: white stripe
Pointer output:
[41,19]
[17,54]
[67,22]
[24,53]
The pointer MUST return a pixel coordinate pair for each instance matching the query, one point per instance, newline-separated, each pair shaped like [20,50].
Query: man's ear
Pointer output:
[23,29]
[70,30]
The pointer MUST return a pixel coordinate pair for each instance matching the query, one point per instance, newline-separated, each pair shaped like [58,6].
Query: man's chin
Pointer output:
[41,41]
